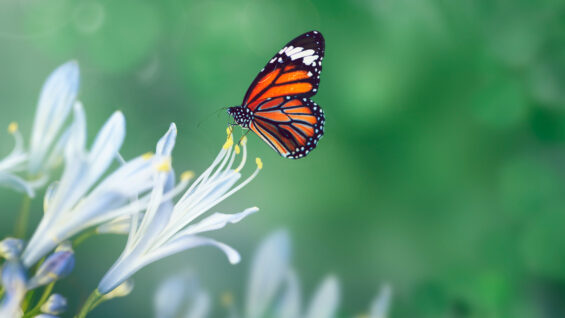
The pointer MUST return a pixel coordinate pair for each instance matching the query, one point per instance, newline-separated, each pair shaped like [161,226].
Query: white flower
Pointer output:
[167,228]
[324,303]
[181,296]
[55,102]
[14,163]
[56,99]
[80,200]
[271,271]
[381,303]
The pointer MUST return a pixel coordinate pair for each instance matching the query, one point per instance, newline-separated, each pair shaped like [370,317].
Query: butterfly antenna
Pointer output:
[209,115]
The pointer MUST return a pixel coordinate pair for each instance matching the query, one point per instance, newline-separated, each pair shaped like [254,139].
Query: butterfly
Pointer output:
[277,105]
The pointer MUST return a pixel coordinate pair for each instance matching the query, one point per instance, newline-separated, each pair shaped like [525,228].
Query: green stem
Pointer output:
[92,301]
[27,300]
[81,238]
[36,310]
[23,218]
[29,295]
[1,291]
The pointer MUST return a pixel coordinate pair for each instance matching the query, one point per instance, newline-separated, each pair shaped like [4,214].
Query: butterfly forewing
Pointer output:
[293,71]
[279,97]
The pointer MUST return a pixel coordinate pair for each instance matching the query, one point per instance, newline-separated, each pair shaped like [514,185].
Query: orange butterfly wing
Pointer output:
[294,71]
[283,115]
[291,126]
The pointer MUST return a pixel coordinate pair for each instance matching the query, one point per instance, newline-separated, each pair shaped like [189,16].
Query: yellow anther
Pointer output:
[164,166]
[187,175]
[147,156]
[259,163]
[229,130]
[237,150]
[229,142]
[243,140]
[12,127]
[226,299]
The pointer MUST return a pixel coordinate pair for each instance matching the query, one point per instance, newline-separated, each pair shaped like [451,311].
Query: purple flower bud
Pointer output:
[55,305]
[14,278]
[11,248]
[56,266]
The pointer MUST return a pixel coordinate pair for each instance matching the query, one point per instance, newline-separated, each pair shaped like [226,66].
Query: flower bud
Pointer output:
[122,290]
[56,266]
[14,278]
[11,248]
[55,305]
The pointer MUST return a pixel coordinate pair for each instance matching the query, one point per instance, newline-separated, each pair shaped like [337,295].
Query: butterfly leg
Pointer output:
[241,138]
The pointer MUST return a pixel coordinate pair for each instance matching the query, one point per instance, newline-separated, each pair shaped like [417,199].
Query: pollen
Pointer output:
[12,127]
[164,166]
[229,130]
[259,163]
[147,155]
[187,175]
[237,150]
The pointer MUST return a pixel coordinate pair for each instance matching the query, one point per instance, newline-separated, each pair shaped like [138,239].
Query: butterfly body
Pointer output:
[277,105]
[242,115]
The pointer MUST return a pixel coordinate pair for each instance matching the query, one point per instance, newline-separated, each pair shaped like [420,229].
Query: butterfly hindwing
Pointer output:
[293,71]
[292,126]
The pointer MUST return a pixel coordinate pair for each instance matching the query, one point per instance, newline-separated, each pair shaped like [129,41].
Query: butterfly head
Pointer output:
[241,115]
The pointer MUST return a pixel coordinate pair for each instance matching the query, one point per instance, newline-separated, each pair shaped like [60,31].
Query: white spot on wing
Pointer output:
[301,54]
[293,51]
[309,59]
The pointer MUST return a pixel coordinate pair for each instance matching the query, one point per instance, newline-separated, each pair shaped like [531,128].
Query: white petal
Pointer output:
[77,140]
[182,243]
[119,225]
[380,306]
[200,307]
[290,304]
[172,294]
[167,142]
[56,155]
[268,270]
[158,213]
[12,181]
[48,197]
[325,302]
[55,102]
[17,157]
[107,144]
[217,221]
[128,265]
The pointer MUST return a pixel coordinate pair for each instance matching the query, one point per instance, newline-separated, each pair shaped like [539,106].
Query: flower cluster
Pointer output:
[273,291]
[28,169]
[100,192]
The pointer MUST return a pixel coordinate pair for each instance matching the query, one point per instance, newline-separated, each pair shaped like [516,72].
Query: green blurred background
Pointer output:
[441,171]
